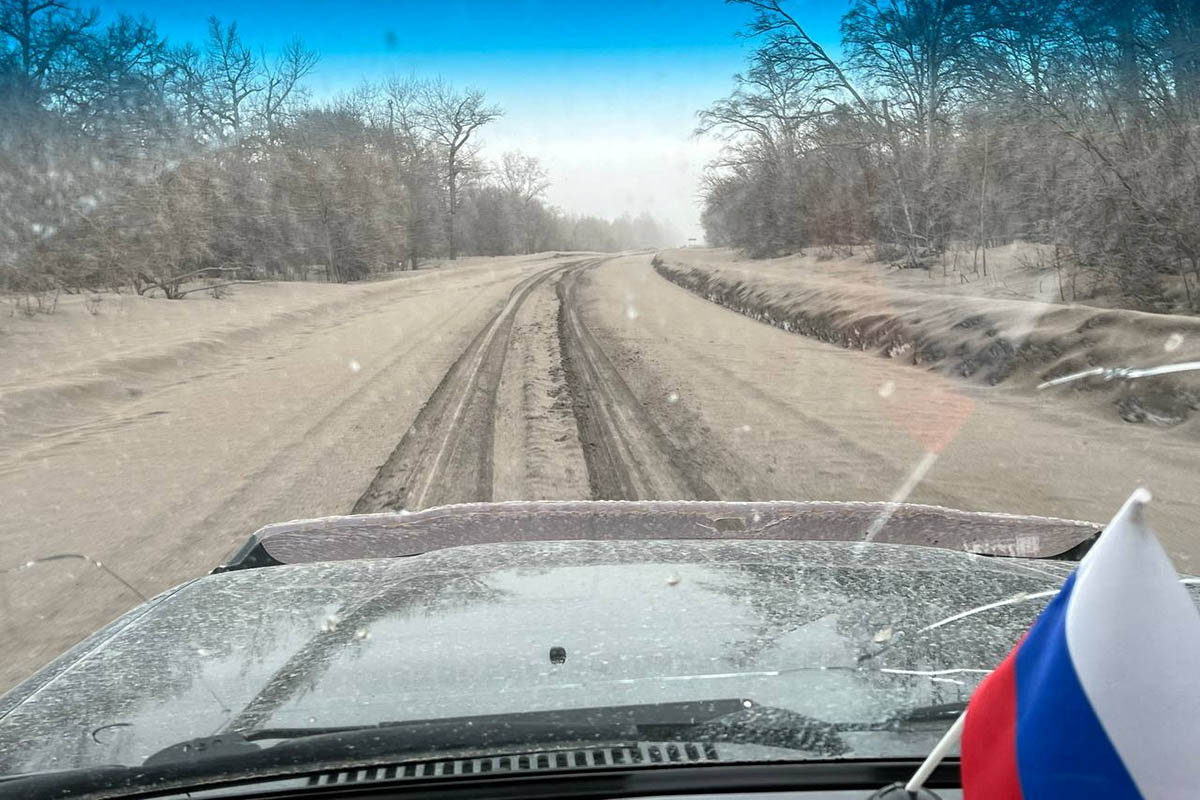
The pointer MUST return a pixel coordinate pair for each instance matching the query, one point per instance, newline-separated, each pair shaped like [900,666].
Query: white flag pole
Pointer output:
[947,743]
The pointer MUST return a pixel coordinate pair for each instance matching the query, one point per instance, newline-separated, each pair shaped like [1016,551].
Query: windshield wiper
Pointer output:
[585,724]
[737,720]
[199,762]
[1121,373]
[733,721]
[940,712]
[730,720]
[604,723]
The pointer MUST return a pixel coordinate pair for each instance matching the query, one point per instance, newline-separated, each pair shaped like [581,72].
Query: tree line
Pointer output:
[1072,124]
[127,160]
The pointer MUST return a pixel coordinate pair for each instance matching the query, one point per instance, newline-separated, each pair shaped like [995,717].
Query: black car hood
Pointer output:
[827,629]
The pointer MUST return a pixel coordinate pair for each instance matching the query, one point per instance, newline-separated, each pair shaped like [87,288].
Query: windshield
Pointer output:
[885,262]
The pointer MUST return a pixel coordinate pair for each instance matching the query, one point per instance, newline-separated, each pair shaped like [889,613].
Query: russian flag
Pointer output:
[1101,698]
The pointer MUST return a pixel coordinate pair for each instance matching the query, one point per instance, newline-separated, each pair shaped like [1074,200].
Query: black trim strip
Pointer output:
[867,775]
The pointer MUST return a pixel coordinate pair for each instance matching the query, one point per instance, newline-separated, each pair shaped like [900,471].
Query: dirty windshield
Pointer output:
[919,279]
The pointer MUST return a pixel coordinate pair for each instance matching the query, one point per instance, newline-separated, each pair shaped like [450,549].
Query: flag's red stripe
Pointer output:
[989,743]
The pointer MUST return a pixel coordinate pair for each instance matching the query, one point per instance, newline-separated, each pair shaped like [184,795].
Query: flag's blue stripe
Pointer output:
[1062,750]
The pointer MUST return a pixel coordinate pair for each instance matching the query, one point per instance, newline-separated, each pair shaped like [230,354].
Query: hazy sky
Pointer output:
[605,93]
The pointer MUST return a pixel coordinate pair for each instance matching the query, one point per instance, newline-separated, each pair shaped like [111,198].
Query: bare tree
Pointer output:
[787,40]
[450,117]
[232,77]
[281,79]
[175,236]
[41,32]
[524,180]
[415,161]
[920,53]
[115,83]
[773,112]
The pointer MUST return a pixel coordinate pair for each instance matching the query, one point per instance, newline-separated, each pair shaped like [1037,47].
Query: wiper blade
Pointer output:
[940,712]
[738,721]
[199,762]
[735,721]
[261,734]
[947,712]
[1121,373]
[604,723]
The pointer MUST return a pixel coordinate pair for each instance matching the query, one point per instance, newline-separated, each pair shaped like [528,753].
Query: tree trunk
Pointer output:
[331,275]
[901,191]
[452,202]
[982,196]
[451,199]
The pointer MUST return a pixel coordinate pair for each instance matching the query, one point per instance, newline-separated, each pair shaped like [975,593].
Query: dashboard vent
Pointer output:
[645,753]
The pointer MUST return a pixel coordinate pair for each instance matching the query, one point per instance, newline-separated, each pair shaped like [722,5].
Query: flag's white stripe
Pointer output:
[1133,634]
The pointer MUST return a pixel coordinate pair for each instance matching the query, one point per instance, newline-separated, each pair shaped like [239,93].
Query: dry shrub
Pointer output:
[888,253]
[32,303]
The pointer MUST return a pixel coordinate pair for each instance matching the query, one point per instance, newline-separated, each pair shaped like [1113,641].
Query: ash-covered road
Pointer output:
[672,397]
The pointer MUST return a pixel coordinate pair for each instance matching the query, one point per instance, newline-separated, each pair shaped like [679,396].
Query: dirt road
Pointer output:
[447,455]
[545,377]
[765,414]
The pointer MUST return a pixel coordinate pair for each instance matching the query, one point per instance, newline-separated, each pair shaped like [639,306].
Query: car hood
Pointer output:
[827,629]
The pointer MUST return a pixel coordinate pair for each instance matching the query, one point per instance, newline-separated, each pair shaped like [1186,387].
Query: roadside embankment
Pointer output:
[987,339]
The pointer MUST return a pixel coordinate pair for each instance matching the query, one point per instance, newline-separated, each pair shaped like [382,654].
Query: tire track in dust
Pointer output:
[628,456]
[446,455]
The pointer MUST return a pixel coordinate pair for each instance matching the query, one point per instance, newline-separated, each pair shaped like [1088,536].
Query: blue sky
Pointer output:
[604,93]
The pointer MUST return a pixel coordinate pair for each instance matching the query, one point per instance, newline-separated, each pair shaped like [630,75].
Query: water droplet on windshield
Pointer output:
[673,397]
[1173,341]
